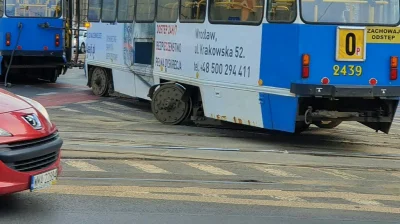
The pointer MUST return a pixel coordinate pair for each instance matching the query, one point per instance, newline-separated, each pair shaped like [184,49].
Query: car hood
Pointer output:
[11,102]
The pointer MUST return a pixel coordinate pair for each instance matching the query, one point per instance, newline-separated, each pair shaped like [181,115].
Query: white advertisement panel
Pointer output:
[222,53]
[105,43]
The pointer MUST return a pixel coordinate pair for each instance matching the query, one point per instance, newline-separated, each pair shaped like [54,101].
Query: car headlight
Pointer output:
[38,107]
[4,133]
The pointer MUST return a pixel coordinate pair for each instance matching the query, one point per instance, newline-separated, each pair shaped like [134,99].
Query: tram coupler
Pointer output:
[80,64]
[318,115]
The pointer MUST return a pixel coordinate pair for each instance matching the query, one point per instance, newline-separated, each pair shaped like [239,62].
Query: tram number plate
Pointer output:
[351,44]
[43,180]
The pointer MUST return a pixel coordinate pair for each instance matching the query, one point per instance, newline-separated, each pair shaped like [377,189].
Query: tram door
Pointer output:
[68,10]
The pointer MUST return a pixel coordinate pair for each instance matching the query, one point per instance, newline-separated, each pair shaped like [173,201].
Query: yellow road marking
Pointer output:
[148,168]
[286,198]
[291,198]
[210,169]
[83,166]
[340,174]
[275,172]
[363,202]
[253,192]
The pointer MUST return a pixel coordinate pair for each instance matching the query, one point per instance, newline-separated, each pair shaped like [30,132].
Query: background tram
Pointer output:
[36,40]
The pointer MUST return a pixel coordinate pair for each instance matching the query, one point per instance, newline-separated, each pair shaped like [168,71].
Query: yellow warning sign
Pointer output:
[383,35]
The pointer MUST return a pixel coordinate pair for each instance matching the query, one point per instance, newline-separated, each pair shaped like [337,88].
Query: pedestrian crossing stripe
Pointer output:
[269,170]
[83,166]
[210,169]
[148,168]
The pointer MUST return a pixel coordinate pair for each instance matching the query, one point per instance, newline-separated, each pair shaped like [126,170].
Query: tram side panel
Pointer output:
[114,53]
[279,66]
[225,67]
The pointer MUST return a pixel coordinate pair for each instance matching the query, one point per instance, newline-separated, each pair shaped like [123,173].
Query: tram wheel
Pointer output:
[167,106]
[100,82]
[327,124]
[51,75]
[300,127]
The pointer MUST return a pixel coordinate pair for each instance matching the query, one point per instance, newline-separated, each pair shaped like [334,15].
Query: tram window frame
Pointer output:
[145,21]
[269,4]
[191,20]
[227,22]
[2,9]
[300,2]
[168,21]
[133,15]
[115,12]
[99,18]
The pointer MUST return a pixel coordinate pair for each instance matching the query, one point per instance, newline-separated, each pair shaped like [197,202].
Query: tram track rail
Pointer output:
[296,149]
[332,137]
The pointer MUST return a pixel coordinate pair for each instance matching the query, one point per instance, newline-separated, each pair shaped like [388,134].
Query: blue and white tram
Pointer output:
[274,64]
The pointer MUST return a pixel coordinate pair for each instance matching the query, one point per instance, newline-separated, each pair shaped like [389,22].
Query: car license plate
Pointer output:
[43,180]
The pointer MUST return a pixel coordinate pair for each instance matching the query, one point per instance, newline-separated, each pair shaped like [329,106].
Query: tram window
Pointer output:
[236,11]
[145,10]
[193,11]
[94,10]
[126,10]
[1,7]
[109,11]
[283,11]
[167,10]
[383,12]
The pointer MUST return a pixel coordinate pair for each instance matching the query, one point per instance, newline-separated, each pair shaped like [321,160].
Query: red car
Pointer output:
[30,147]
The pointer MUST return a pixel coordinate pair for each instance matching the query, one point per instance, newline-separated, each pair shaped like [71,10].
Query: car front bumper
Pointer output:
[20,161]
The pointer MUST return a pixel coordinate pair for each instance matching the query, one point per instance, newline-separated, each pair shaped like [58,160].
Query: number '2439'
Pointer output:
[349,70]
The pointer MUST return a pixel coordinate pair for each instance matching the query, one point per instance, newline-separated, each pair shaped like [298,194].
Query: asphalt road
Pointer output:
[122,166]
[135,204]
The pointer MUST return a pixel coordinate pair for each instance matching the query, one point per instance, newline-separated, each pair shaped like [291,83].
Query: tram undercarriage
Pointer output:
[376,113]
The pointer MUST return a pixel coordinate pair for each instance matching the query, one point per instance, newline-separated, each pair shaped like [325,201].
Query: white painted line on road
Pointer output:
[396,174]
[46,94]
[363,202]
[210,169]
[128,117]
[148,168]
[340,174]
[288,198]
[55,107]
[71,110]
[275,172]
[87,101]
[218,149]
[115,105]
[84,166]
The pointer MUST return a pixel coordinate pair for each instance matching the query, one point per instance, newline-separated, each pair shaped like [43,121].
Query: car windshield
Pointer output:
[385,12]
[33,8]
